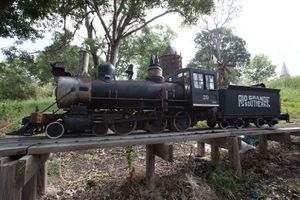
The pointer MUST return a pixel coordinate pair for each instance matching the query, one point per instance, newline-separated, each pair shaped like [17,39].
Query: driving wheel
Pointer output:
[157,122]
[181,121]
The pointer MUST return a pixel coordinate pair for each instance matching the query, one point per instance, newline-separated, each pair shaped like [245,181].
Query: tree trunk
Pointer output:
[222,77]
[114,51]
[89,27]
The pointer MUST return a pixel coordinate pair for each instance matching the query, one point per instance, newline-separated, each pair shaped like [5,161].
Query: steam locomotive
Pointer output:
[175,102]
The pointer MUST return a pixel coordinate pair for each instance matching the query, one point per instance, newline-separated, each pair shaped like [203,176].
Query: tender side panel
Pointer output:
[249,101]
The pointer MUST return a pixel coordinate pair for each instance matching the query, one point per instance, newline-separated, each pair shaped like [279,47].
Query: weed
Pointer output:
[263,191]
[201,124]
[91,157]
[53,167]
[228,184]
[129,154]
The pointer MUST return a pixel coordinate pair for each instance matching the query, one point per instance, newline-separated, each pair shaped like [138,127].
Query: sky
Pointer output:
[270,27]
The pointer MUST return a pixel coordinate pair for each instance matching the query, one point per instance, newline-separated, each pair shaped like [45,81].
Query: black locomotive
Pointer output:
[175,102]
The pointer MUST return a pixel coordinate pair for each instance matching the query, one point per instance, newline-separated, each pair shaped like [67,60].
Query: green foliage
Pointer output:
[137,48]
[57,51]
[12,112]
[259,69]
[31,19]
[290,94]
[287,82]
[119,19]
[27,19]
[201,124]
[228,49]
[190,10]
[224,45]
[18,76]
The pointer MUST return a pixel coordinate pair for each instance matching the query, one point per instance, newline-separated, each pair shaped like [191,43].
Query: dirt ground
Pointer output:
[104,174]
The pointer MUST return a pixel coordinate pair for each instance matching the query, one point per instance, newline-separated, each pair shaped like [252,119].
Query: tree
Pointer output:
[120,19]
[218,41]
[26,19]
[137,48]
[16,78]
[65,53]
[229,51]
[260,69]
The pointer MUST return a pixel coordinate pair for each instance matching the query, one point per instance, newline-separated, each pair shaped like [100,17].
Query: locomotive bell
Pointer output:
[154,71]
[106,71]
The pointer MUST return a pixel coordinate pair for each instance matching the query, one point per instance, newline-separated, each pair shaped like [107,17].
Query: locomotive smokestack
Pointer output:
[83,63]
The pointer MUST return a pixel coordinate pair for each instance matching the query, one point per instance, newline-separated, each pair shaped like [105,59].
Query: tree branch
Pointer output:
[115,20]
[89,2]
[146,23]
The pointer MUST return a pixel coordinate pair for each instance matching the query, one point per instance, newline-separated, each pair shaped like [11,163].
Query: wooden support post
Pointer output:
[150,167]
[263,144]
[42,175]
[215,155]
[200,149]
[9,187]
[29,191]
[234,155]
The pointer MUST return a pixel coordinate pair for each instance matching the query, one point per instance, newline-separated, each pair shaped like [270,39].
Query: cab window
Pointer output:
[210,83]
[198,80]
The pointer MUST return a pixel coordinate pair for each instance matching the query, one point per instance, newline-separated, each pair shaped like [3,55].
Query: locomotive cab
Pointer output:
[200,85]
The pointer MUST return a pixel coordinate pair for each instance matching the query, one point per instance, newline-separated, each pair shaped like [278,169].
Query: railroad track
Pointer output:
[41,144]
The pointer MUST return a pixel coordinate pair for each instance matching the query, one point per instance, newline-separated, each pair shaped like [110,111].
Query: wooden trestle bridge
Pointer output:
[23,160]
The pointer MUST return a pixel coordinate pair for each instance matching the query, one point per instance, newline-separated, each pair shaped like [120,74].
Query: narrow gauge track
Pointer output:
[41,144]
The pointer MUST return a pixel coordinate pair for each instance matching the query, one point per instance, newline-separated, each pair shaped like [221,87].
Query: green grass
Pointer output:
[289,93]
[12,111]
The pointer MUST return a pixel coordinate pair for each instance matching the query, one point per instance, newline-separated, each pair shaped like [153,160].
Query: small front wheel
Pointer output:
[55,130]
